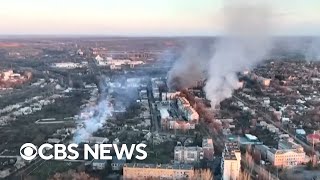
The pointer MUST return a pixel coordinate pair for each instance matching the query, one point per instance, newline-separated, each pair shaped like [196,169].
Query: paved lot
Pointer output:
[300,173]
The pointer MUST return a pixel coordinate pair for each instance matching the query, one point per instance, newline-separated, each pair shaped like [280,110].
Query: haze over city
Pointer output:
[144,17]
[160,89]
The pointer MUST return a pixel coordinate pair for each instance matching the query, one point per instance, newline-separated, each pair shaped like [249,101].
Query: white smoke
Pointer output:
[312,52]
[101,112]
[95,117]
[246,42]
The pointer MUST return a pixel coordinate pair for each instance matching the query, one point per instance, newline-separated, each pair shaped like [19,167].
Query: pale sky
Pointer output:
[144,17]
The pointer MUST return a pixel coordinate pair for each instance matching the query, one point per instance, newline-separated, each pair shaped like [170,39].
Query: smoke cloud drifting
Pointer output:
[246,42]
[312,53]
[307,48]
[190,67]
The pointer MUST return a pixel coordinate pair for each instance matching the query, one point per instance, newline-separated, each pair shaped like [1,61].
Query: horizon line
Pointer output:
[6,36]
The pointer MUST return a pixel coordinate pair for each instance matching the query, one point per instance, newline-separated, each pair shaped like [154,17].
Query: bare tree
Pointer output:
[244,175]
[73,175]
[202,174]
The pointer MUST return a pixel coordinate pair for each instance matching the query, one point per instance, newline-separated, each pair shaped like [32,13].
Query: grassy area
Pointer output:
[266,137]
[157,157]
[61,108]
[25,130]
[49,168]
[160,154]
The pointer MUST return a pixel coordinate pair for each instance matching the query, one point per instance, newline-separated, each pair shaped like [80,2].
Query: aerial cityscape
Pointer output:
[143,105]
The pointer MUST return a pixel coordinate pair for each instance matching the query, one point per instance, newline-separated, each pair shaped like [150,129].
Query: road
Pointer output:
[219,142]
[153,113]
[265,114]
[177,135]
[257,169]
[34,165]
[23,172]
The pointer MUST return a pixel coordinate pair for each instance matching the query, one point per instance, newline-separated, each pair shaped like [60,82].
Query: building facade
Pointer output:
[117,164]
[164,171]
[98,164]
[188,111]
[208,149]
[288,154]
[231,161]
[314,138]
[188,154]
[179,124]
[286,158]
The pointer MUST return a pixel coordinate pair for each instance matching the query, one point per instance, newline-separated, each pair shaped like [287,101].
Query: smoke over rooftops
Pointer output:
[245,43]
[190,67]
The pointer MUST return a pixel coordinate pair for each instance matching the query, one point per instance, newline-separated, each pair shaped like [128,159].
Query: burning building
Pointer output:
[187,110]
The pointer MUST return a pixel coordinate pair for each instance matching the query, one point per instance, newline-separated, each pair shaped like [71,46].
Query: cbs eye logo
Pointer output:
[28,151]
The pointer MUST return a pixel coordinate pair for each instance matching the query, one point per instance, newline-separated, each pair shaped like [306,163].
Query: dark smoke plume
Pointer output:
[190,67]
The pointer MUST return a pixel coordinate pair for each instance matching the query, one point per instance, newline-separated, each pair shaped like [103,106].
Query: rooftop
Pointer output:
[99,161]
[243,140]
[229,156]
[160,166]
[207,142]
[314,136]
[288,143]
[230,149]
[164,113]
[97,140]
[116,160]
[193,148]
[232,146]
[183,101]
[283,151]
[251,137]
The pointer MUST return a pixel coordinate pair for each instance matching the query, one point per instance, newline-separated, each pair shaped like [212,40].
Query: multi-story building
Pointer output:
[288,153]
[285,158]
[98,164]
[314,138]
[208,149]
[187,110]
[231,161]
[188,154]
[178,124]
[182,102]
[163,171]
[191,114]
[191,117]
[117,164]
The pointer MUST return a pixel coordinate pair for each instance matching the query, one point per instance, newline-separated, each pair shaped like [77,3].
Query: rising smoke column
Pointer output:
[312,53]
[246,41]
[97,116]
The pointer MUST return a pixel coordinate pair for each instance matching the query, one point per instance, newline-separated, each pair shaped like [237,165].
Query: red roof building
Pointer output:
[313,138]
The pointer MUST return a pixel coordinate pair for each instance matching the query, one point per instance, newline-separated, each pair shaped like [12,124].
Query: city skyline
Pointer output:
[143,17]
